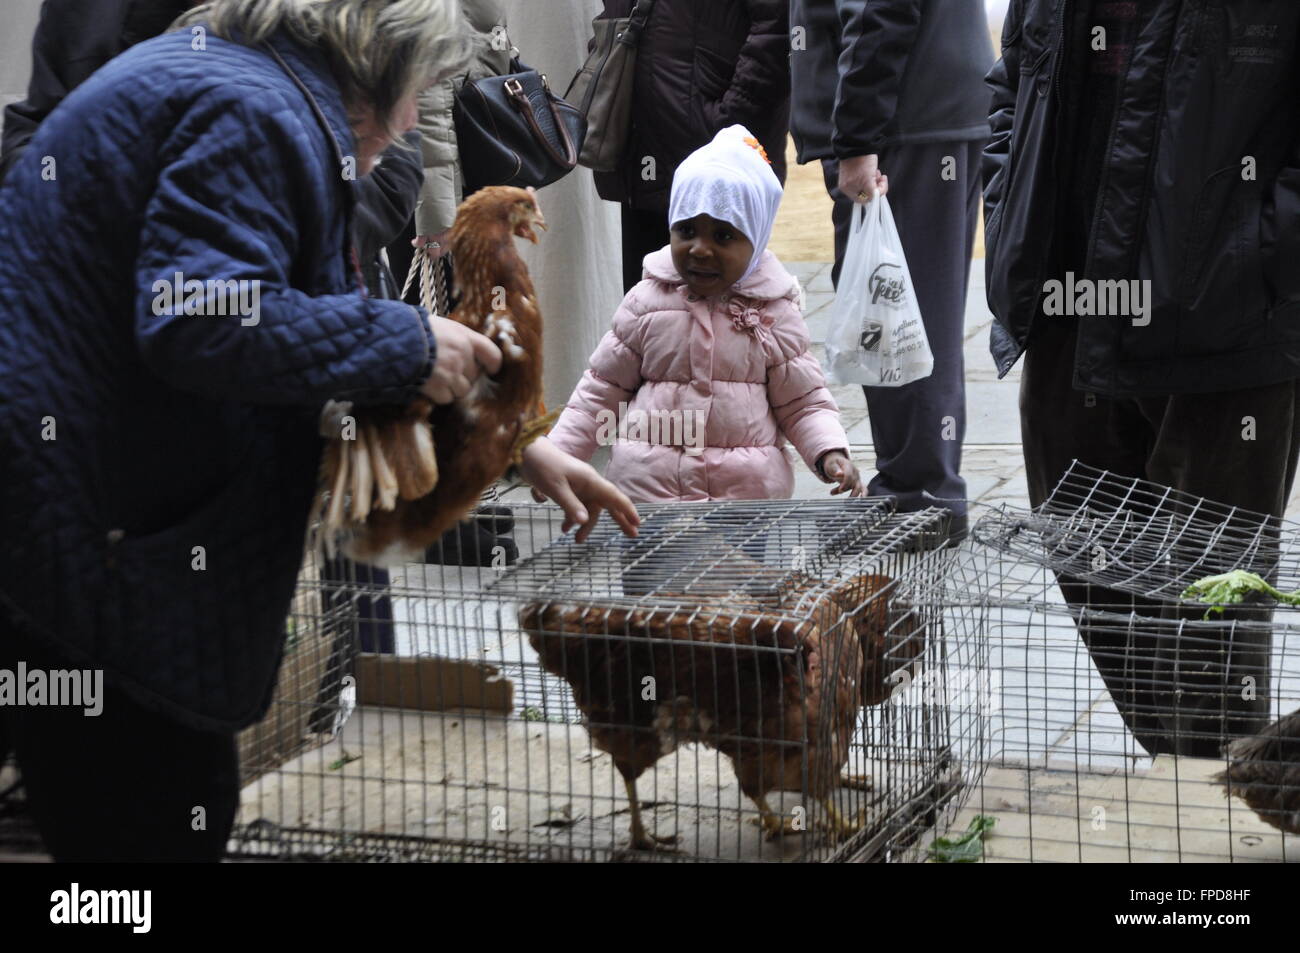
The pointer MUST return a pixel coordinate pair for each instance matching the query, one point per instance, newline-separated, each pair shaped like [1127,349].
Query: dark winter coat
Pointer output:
[386,200]
[73,39]
[870,74]
[701,66]
[156,470]
[1199,194]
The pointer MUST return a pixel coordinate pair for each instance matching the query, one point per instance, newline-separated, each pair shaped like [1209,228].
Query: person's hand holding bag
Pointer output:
[861,179]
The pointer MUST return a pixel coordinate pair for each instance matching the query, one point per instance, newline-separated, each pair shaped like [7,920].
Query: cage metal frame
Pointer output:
[1081,679]
[924,773]
[1042,749]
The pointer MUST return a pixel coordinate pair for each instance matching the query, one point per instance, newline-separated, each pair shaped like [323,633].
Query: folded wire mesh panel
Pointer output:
[743,681]
[1148,667]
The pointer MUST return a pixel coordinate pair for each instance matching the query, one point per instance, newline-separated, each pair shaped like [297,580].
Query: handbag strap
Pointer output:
[569,159]
[640,14]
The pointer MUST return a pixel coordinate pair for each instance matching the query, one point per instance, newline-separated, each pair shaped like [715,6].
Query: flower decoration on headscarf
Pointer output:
[746,318]
[755,144]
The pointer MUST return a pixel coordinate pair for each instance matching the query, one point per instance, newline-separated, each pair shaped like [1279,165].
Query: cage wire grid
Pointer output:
[467,742]
[1116,694]
[1046,675]
[1139,537]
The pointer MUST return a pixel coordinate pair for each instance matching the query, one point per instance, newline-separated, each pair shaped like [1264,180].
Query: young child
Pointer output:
[706,372]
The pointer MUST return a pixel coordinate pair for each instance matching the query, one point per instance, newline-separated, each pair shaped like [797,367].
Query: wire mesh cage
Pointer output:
[743,681]
[1127,708]
[796,680]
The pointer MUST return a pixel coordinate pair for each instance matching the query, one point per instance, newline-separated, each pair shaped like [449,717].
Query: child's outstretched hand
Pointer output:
[839,469]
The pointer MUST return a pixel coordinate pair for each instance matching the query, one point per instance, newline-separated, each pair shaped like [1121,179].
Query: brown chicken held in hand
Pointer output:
[411,473]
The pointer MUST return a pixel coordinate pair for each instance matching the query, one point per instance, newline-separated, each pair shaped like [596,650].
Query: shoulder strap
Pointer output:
[640,14]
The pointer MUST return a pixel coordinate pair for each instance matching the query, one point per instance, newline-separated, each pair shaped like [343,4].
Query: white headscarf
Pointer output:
[731,180]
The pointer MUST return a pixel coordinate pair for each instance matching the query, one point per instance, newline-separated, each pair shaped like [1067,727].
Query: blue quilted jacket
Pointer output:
[156,470]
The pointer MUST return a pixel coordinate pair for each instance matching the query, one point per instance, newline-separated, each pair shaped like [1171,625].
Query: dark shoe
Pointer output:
[469,544]
[498,520]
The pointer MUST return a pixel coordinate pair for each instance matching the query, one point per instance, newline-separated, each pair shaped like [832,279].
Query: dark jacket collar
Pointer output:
[145,19]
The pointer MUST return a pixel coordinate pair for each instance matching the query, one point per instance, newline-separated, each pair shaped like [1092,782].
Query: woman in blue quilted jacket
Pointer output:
[178,300]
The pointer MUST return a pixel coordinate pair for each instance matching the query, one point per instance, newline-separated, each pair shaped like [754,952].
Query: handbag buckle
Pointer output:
[514,87]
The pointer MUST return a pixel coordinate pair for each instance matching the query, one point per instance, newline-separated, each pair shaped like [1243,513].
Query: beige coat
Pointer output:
[443,183]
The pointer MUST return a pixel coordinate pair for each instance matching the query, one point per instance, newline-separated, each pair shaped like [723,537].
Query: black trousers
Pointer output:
[366,587]
[918,429]
[1180,689]
[126,785]
[643,233]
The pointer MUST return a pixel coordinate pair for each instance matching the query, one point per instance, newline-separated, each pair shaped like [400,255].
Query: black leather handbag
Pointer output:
[511,130]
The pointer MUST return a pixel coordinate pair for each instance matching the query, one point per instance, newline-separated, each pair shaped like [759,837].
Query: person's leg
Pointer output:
[374,611]
[126,785]
[643,233]
[1059,425]
[1237,448]
[346,583]
[918,429]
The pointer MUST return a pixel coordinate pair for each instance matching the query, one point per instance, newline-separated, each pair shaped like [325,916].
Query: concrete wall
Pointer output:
[19,23]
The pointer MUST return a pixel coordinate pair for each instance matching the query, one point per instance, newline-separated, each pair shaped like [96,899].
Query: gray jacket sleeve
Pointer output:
[441,193]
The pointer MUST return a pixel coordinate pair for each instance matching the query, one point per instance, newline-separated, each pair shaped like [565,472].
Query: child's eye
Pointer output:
[723,236]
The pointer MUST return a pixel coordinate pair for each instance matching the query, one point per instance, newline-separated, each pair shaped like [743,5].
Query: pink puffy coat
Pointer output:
[738,363]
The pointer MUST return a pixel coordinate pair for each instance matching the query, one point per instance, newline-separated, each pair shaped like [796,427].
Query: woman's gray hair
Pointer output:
[380,50]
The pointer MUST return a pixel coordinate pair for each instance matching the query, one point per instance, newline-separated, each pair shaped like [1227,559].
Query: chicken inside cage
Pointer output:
[772,683]
[736,683]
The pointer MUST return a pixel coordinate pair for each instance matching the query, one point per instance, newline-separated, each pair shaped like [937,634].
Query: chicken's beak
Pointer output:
[525,228]
[538,220]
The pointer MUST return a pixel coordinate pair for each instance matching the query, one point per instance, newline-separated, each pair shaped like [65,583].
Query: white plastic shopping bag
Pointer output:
[876,336]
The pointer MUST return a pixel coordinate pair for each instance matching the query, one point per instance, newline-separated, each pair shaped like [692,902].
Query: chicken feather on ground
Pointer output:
[405,475]
[718,682]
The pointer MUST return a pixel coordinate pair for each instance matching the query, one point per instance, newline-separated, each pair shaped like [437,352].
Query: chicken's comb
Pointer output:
[758,146]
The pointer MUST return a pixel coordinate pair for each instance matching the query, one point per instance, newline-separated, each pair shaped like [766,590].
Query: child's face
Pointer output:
[711,255]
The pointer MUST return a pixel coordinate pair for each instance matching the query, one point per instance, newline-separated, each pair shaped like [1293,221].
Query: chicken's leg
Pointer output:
[859,782]
[840,826]
[774,825]
[641,839]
